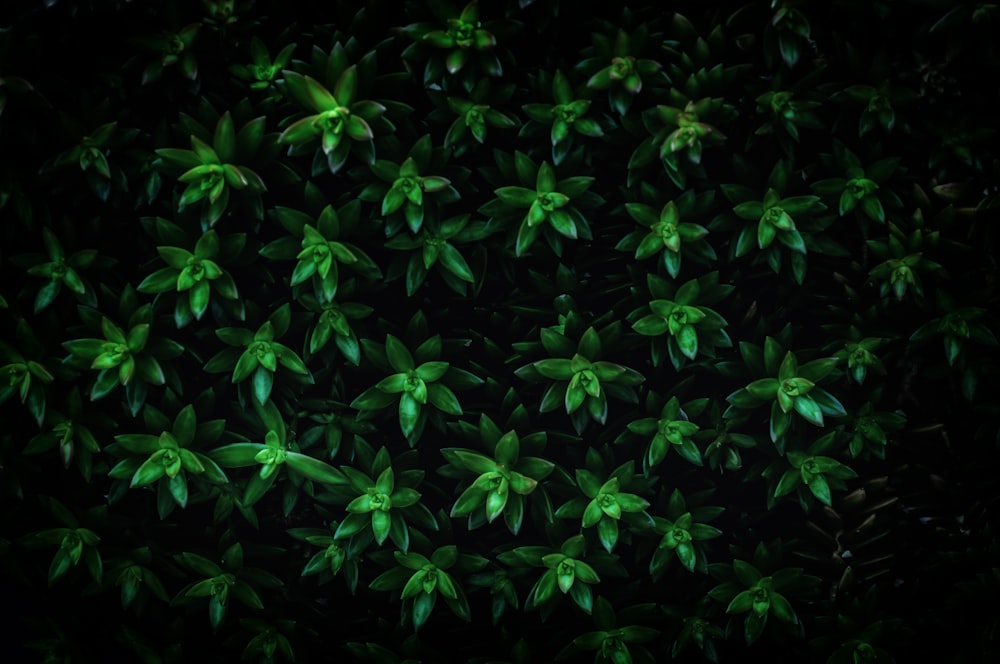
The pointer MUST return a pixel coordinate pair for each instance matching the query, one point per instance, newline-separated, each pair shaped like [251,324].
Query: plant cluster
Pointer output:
[498,331]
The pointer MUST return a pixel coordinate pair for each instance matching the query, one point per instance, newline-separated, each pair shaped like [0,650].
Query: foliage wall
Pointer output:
[518,331]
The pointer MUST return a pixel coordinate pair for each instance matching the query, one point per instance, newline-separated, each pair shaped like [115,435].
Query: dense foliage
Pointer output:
[512,331]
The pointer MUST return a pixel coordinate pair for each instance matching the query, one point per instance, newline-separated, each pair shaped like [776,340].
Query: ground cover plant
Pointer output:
[508,331]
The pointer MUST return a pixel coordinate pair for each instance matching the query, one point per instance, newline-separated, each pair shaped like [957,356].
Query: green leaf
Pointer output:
[405,497]
[789,366]
[106,381]
[782,609]
[741,603]
[585,573]
[519,197]
[687,555]
[245,366]
[763,388]
[689,451]
[590,640]
[205,153]
[179,489]
[185,159]
[393,384]
[373,399]
[521,484]
[554,368]
[507,450]
[827,403]
[563,223]
[409,412]
[263,380]
[779,422]
[583,596]
[753,626]
[346,86]
[590,344]
[526,236]
[607,533]
[473,461]
[150,471]
[236,455]
[163,280]
[455,263]
[809,410]
[432,371]
[592,514]
[796,205]
[575,396]
[423,605]
[468,502]
[451,592]
[749,210]
[588,483]
[788,482]
[651,326]
[224,140]
[201,565]
[574,186]
[817,370]
[630,502]
[820,488]
[398,355]
[442,398]
[496,500]
[381,524]
[391,579]
[184,426]
[386,481]
[687,341]
[638,634]
[314,469]
[138,443]
[61,563]
[746,574]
